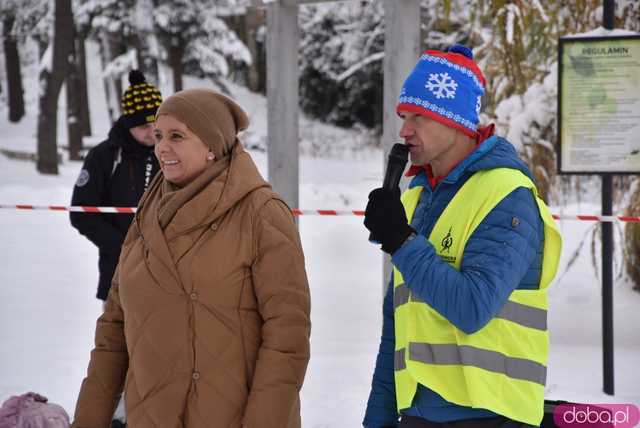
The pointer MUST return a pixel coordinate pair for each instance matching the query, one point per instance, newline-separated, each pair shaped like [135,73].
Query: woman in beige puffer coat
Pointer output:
[207,321]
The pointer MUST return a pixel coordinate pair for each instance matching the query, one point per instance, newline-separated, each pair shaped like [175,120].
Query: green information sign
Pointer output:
[599,105]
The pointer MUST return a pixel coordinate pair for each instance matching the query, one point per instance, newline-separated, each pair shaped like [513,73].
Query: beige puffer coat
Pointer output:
[208,319]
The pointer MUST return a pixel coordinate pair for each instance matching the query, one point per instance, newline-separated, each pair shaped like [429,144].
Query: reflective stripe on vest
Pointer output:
[501,367]
[517,368]
[518,313]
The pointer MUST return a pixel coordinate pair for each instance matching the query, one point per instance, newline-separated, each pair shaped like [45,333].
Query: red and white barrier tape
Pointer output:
[296,212]
[82,209]
[299,212]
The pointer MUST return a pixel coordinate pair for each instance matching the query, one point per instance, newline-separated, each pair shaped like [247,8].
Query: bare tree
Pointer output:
[175,53]
[14,74]
[256,76]
[83,93]
[74,117]
[247,26]
[52,76]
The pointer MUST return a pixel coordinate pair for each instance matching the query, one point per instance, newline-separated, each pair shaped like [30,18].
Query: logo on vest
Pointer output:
[446,243]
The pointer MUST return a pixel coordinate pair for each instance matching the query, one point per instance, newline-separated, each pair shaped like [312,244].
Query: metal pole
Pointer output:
[607,253]
[607,287]
[282,100]
[401,52]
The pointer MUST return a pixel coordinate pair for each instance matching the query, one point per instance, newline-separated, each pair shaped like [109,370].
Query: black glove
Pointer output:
[386,219]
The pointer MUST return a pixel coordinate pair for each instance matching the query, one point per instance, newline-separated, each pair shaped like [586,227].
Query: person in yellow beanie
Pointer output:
[116,172]
[207,322]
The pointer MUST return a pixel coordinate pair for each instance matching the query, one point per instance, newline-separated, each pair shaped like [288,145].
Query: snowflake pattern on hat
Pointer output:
[442,85]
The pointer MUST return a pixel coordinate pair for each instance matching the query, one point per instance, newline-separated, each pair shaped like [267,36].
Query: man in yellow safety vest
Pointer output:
[474,250]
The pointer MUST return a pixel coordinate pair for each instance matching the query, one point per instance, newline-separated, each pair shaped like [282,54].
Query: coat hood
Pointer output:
[213,201]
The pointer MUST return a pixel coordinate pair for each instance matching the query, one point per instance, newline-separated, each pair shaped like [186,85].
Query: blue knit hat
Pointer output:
[447,87]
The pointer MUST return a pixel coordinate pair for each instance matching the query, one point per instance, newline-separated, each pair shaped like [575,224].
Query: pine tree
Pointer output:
[196,38]
[341,52]
[112,25]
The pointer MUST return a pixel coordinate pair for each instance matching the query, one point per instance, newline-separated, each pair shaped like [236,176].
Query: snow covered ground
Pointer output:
[48,277]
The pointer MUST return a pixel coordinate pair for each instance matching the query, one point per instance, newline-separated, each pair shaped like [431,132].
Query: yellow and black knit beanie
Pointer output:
[140,101]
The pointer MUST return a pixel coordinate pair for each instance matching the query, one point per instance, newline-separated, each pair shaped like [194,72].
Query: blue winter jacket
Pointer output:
[500,256]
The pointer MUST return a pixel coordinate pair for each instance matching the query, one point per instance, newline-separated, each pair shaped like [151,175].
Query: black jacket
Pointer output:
[115,173]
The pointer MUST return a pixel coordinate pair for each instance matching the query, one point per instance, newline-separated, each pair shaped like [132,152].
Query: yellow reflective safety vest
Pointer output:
[503,366]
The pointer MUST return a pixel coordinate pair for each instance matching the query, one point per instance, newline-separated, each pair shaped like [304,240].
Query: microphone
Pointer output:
[398,157]
[397,161]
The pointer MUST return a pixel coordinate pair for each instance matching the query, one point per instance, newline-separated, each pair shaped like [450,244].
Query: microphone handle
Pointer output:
[392,178]
[391,181]
[397,161]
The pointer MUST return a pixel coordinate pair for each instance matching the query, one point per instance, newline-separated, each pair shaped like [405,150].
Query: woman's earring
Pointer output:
[210,156]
